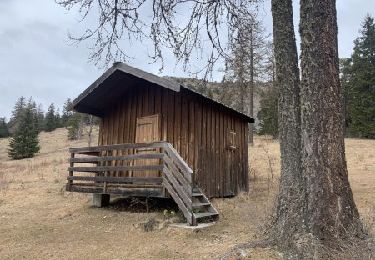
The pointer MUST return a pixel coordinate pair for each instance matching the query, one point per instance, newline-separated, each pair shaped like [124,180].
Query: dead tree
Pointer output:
[246,64]
[89,128]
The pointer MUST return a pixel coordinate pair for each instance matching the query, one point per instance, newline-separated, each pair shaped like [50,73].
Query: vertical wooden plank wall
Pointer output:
[196,127]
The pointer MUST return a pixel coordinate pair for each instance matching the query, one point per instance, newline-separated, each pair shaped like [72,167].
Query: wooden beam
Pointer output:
[140,192]
[119,185]
[94,159]
[117,168]
[117,147]
[177,158]
[153,180]
[180,176]
[178,188]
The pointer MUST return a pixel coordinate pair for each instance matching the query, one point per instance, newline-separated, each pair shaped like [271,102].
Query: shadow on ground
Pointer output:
[142,205]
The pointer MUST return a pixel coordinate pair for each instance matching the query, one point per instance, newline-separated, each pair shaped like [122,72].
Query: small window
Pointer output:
[231,142]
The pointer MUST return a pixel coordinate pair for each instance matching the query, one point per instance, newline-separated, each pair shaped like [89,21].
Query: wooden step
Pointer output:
[201,204]
[197,190]
[204,215]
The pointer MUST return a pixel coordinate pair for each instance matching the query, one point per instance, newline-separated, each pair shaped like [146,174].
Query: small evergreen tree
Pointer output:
[3,128]
[31,105]
[268,114]
[25,143]
[50,119]
[40,117]
[67,113]
[58,121]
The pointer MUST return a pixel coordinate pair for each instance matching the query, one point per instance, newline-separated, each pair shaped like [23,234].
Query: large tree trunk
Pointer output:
[289,213]
[330,211]
[315,205]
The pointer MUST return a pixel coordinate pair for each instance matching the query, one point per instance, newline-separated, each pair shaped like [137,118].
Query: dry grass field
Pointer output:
[39,220]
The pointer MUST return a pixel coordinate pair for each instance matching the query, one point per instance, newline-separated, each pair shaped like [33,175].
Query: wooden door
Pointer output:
[147,131]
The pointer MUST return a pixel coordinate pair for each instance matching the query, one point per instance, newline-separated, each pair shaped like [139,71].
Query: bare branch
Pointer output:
[184,26]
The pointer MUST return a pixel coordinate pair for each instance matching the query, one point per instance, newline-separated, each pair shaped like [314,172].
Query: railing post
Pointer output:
[192,182]
[194,220]
[106,174]
[105,184]
[70,182]
[163,148]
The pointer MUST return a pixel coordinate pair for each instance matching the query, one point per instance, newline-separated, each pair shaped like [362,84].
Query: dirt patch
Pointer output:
[38,219]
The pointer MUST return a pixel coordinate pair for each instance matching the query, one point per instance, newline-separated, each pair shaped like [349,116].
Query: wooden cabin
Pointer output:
[158,138]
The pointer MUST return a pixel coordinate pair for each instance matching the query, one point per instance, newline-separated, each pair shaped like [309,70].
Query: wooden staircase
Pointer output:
[202,207]
[112,176]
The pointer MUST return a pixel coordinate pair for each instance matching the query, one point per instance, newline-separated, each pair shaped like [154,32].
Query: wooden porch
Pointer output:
[139,170]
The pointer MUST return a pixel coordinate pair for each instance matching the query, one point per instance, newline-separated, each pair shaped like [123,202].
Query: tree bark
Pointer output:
[288,220]
[330,211]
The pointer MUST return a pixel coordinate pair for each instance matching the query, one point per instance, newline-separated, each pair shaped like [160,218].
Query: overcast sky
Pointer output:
[37,59]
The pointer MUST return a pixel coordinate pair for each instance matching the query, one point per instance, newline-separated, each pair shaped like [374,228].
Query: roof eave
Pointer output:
[131,71]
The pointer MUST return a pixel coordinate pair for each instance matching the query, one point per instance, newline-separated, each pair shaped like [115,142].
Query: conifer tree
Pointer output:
[358,79]
[58,121]
[268,114]
[31,105]
[50,119]
[3,128]
[40,117]
[25,143]
[66,113]
[18,109]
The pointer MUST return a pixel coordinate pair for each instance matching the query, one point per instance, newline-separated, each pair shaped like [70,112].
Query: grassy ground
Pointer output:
[38,219]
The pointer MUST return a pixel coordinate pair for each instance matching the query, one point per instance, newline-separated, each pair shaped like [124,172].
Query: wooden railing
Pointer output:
[178,179]
[114,168]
